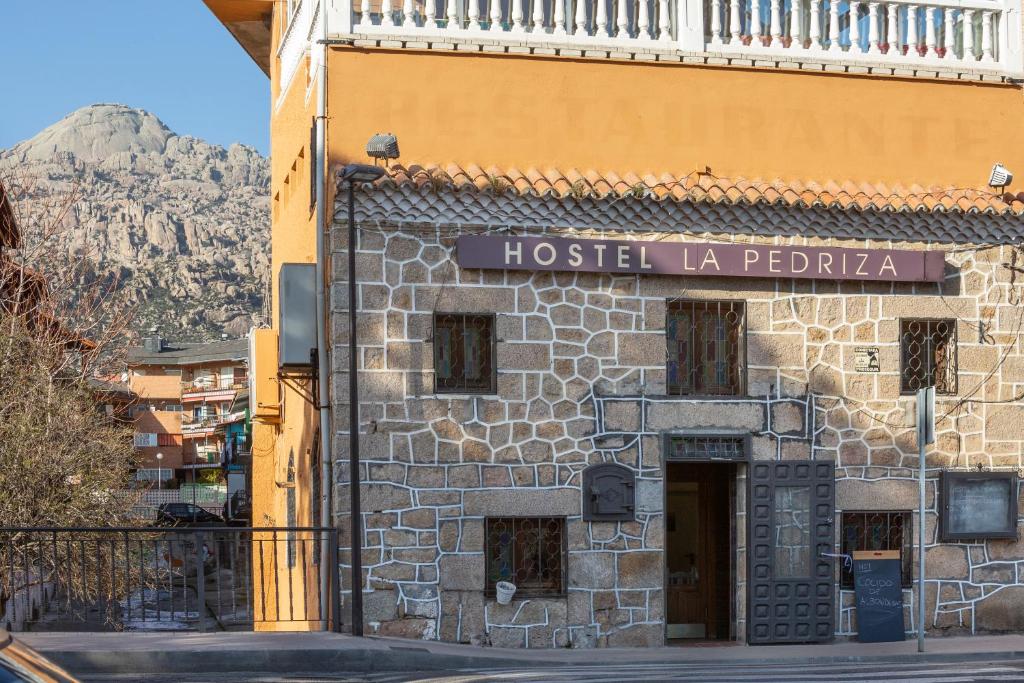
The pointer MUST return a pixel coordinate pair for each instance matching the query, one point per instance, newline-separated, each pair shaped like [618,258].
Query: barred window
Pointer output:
[528,552]
[464,353]
[927,355]
[706,447]
[705,347]
[878,531]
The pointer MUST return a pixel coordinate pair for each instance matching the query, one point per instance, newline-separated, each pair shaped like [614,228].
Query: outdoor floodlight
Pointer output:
[361,173]
[1000,176]
[382,146]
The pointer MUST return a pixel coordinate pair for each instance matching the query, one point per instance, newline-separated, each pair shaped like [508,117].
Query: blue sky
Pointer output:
[170,57]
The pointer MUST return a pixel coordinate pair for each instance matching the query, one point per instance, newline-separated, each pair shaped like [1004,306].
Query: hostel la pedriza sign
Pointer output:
[698,258]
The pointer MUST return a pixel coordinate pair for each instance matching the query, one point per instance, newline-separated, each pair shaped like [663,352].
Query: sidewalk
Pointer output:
[142,653]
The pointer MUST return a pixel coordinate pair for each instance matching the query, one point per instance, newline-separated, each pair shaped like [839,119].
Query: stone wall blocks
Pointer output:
[535,451]
[524,356]
[562,501]
[622,416]
[946,562]
[463,476]
[475,451]
[461,572]
[384,497]
[640,569]
[495,476]
[887,494]
[676,415]
[784,350]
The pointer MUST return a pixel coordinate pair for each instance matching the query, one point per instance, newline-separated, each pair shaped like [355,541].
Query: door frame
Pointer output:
[746,458]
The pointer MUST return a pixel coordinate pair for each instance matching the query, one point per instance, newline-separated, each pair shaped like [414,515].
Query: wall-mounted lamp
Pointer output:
[382,146]
[1000,176]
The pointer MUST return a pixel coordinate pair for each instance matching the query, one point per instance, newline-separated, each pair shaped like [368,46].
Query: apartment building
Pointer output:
[192,407]
[642,310]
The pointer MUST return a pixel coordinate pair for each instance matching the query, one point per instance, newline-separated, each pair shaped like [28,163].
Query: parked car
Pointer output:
[238,509]
[186,514]
[21,664]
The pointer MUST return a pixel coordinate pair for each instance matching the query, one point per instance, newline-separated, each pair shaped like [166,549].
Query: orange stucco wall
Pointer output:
[150,384]
[506,110]
[284,421]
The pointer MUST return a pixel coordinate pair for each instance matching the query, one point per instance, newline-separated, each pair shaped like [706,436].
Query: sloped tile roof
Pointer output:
[699,187]
[186,353]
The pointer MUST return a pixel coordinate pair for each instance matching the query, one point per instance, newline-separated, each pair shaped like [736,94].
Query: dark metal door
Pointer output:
[792,587]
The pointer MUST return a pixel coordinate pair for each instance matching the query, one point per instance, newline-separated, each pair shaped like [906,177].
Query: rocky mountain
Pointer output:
[183,225]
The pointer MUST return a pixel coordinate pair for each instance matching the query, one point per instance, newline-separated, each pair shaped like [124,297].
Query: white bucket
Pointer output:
[504,592]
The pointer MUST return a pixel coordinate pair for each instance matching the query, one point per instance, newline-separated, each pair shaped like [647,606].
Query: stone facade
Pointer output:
[581,363]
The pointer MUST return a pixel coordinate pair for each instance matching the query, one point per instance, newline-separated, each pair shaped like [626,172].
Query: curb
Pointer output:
[408,659]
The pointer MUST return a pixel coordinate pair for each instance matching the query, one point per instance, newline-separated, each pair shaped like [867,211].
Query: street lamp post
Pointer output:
[352,174]
[159,471]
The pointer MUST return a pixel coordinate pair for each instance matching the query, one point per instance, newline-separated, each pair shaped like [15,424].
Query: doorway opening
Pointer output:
[700,535]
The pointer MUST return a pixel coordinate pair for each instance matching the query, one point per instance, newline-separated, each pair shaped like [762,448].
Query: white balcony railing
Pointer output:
[977,36]
[952,33]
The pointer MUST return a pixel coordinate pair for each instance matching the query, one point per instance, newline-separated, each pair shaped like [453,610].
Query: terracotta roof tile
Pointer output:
[701,187]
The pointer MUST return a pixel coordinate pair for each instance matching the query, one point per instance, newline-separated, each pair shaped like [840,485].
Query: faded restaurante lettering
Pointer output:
[708,259]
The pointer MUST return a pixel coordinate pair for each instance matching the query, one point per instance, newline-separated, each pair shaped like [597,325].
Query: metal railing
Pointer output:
[166,579]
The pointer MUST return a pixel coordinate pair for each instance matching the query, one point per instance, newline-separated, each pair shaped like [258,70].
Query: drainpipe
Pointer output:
[323,369]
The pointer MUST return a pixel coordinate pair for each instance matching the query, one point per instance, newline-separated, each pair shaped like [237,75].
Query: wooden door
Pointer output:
[697,550]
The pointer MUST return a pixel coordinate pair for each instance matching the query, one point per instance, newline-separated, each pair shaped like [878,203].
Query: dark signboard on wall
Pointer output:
[878,590]
[506,252]
[977,505]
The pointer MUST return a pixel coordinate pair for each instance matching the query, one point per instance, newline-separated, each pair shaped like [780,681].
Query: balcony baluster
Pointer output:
[892,28]
[967,19]
[621,19]
[601,19]
[986,36]
[664,21]
[643,22]
[854,18]
[929,33]
[796,24]
[755,23]
[735,24]
[833,26]
[873,29]
[559,18]
[949,34]
[775,23]
[814,37]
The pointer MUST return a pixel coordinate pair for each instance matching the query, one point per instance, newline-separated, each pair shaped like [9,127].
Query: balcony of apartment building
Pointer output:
[963,39]
[213,387]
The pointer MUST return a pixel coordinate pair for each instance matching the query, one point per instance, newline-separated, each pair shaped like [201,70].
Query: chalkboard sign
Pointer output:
[879,595]
[978,505]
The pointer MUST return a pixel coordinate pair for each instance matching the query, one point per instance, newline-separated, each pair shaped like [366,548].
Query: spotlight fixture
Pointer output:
[382,146]
[1000,176]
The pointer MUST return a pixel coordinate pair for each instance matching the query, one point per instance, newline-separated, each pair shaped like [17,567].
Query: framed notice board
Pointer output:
[977,505]
[878,593]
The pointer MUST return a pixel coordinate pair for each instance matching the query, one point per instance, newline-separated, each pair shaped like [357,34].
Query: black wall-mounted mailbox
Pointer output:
[609,493]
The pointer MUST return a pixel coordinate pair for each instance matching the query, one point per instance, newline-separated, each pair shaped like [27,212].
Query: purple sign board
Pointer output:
[504,252]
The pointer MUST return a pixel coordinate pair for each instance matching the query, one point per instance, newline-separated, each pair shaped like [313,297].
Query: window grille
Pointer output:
[526,551]
[706,448]
[706,347]
[464,353]
[928,355]
[878,531]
